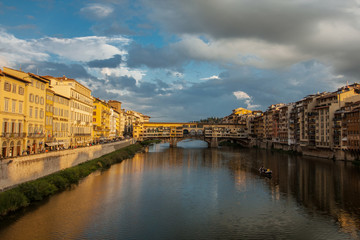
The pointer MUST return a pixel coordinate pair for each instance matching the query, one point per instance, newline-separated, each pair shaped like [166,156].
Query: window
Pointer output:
[14,88]
[36,99]
[5,126]
[30,111]
[36,112]
[6,105]
[37,84]
[31,97]
[20,127]
[20,107]
[21,90]
[13,127]
[7,87]
[42,86]
[13,106]
[42,101]
[41,113]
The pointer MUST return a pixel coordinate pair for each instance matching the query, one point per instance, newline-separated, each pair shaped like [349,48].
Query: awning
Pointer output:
[344,139]
[79,141]
[51,144]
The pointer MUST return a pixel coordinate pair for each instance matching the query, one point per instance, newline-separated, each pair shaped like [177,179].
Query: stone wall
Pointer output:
[14,171]
[337,154]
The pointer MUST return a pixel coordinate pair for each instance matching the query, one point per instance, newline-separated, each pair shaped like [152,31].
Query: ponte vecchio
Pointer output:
[213,134]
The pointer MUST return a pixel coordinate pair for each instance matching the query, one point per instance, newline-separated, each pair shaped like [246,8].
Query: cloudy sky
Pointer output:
[190,59]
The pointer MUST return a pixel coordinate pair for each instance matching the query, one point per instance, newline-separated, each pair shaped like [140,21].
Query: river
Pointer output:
[194,192]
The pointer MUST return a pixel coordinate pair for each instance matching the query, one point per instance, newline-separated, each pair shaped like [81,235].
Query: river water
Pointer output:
[193,192]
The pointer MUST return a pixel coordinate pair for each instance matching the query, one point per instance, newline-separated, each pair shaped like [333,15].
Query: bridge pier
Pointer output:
[214,142]
[173,142]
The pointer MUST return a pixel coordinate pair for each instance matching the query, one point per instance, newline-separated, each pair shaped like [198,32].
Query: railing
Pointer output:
[36,135]
[13,135]
[82,134]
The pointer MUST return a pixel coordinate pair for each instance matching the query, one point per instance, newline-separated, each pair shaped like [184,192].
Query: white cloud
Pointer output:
[122,70]
[240,95]
[97,10]
[240,51]
[15,51]
[83,48]
[214,77]
[251,106]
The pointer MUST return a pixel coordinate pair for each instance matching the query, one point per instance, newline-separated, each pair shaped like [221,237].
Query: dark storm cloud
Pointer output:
[268,87]
[162,84]
[106,63]
[153,57]
[276,21]
[104,95]
[58,69]
[325,31]
[142,89]
[123,82]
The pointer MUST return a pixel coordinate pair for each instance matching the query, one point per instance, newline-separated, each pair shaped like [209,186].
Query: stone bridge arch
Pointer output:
[174,141]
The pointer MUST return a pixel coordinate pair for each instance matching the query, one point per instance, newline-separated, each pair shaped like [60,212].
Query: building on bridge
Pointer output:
[213,134]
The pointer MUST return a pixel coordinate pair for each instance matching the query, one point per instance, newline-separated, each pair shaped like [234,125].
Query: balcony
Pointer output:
[36,135]
[13,135]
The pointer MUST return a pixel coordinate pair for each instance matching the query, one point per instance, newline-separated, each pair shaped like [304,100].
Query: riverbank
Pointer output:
[331,154]
[18,170]
[27,193]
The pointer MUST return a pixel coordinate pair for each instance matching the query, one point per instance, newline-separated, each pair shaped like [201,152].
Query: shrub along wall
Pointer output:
[26,193]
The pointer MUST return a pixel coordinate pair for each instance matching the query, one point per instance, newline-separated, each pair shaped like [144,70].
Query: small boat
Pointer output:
[265,171]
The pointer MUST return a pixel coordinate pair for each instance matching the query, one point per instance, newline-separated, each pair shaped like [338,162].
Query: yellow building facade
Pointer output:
[81,109]
[35,95]
[49,118]
[12,114]
[101,120]
[61,126]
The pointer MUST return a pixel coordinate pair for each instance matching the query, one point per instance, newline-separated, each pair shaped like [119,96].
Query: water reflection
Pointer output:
[201,193]
[322,186]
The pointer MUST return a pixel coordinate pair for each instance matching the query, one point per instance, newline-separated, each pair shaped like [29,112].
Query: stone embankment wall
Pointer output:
[14,171]
[307,151]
